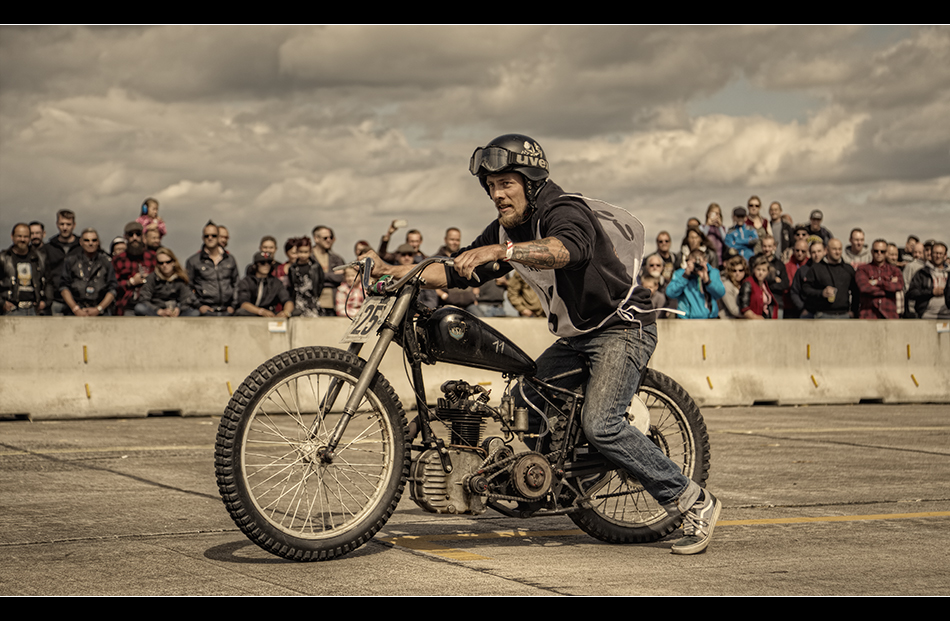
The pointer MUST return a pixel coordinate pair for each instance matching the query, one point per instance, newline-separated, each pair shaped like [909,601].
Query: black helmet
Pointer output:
[511,153]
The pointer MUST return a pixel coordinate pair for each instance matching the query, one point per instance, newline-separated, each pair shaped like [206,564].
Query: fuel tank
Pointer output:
[459,337]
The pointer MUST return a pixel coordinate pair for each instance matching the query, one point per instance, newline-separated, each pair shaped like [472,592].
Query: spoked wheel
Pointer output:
[622,511]
[282,486]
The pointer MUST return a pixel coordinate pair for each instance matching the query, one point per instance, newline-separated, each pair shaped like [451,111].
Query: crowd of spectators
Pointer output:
[758,268]
[770,268]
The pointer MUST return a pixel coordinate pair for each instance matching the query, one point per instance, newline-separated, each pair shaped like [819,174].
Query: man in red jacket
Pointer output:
[879,282]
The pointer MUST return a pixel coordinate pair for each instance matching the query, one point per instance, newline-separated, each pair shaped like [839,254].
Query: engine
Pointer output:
[480,470]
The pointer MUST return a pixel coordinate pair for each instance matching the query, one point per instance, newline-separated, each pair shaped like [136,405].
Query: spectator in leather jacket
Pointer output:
[928,289]
[260,295]
[88,286]
[24,286]
[214,275]
[166,292]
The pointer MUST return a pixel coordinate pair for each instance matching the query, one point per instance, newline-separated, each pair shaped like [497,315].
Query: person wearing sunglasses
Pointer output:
[132,267]
[735,271]
[88,283]
[166,292]
[214,275]
[879,283]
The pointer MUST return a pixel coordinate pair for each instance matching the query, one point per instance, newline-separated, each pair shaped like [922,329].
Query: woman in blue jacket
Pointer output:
[697,287]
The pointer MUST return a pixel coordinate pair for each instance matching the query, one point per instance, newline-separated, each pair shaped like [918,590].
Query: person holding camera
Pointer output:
[697,288]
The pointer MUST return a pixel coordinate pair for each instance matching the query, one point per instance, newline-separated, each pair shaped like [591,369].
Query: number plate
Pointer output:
[373,313]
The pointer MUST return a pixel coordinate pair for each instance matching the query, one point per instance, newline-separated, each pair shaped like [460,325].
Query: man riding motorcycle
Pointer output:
[605,322]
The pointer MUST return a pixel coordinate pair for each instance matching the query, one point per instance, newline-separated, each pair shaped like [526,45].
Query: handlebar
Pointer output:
[383,287]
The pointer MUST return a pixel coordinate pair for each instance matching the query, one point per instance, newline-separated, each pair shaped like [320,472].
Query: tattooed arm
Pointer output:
[548,253]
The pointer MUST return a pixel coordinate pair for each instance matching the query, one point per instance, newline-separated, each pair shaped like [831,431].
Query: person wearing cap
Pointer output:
[263,295]
[132,267]
[815,228]
[741,238]
[118,246]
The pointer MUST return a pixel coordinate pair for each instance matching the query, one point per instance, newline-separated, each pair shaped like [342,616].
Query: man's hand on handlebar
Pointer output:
[466,262]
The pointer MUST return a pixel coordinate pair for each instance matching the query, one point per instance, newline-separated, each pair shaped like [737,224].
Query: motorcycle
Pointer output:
[314,452]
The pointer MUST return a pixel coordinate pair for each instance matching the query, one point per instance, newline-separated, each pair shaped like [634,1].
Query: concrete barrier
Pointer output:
[68,367]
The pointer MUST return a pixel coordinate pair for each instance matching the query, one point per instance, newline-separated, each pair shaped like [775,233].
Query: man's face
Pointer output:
[655,266]
[878,253]
[801,235]
[37,233]
[910,245]
[857,241]
[815,224]
[835,248]
[754,207]
[89,242]
[453,240]
[223,237]
[800,251]
[663,242]
[768,247]
[210,237]
[263,268]
[893,256]
[323,238]
[938,255]
[302,254]
[153,239]
[405,258]
[21,239]
[508,193]
[775,211]
[414,240]
[919,251]
[65,226]
[134,246]
[817,252]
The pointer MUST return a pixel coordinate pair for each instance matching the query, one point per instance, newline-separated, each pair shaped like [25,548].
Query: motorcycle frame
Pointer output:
[401,323]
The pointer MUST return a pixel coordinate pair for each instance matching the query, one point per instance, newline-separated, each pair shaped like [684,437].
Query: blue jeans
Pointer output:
[612,361]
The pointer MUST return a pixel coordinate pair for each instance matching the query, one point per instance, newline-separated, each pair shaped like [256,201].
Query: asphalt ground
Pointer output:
[818,501]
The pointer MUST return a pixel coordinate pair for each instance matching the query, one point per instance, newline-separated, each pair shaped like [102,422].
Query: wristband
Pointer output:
[510,248]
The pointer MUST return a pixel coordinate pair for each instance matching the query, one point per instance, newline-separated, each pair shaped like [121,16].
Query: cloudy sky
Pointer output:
[274,129]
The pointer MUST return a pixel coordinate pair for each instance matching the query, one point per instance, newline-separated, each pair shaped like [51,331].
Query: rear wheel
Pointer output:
[622,511]
[279,482]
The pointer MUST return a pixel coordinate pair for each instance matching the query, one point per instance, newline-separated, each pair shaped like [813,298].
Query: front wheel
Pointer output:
[621,510]
[281,485]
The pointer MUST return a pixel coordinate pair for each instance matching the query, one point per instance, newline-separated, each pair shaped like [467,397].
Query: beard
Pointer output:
[135,248]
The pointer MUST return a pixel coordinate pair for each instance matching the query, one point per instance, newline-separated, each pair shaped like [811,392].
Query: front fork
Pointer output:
[386,334]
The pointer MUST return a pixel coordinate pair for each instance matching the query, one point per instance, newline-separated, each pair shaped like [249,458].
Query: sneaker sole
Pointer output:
[701,546]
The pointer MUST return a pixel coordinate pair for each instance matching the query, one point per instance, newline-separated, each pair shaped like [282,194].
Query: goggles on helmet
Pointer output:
[492,159]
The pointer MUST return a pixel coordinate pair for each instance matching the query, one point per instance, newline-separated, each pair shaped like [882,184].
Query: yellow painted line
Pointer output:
[117,449]
[428,543]
[830,429]
[836,518]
